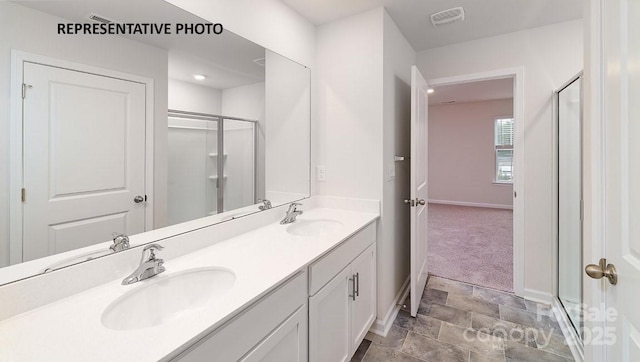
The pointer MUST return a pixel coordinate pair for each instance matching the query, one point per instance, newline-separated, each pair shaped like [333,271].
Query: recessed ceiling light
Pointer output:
[430,90]
[199,77]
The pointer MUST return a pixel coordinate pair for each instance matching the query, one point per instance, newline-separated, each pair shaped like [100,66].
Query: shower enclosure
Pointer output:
[568,102]
[211,164]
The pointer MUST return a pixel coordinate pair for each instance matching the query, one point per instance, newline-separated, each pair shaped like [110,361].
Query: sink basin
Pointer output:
[167,297]
[313,227]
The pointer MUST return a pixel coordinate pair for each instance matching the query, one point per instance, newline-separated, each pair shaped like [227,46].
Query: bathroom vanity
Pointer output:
[272,292]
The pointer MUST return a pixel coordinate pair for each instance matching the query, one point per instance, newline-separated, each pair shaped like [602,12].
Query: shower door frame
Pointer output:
[566,324]
[219,119]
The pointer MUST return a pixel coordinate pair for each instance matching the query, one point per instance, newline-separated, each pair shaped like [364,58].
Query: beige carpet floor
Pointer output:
[472,245]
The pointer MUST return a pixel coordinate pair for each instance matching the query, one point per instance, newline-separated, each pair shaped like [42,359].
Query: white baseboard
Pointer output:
[570,334]
[382,326]
[472,204]
[538,296]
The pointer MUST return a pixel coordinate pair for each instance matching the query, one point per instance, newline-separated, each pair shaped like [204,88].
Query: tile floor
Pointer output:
[463,322]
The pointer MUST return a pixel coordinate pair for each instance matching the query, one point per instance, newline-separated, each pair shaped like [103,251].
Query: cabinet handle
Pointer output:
[353,288]
[357,278]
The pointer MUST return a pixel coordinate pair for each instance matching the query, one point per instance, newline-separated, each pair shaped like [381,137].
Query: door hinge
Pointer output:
[24,89]
[23,195]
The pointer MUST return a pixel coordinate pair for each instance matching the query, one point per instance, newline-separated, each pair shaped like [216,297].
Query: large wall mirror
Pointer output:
[102,135]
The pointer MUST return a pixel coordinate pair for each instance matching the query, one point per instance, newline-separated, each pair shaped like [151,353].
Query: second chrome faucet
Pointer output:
[292,213]
[149,265]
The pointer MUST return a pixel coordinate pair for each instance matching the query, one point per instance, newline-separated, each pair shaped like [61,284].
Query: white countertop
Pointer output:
[71,330]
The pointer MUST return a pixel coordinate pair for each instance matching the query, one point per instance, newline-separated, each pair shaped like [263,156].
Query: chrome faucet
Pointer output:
[266,206]
[292,213]
[149,266]
[120,243]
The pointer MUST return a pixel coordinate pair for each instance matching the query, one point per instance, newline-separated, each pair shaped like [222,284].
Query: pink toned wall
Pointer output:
[461,154]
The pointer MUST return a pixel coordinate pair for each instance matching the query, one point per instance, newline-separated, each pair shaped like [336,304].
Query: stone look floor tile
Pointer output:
[394,339]
[472,340]
[529,319]
[450,315]
[449,286]
[554,344]
[459,322]
[422,324]
[473,304]
[477,357]
[435,296]
[429,349]
[518,352]
[377,353]
[539,308]
[496,297]
[505,329]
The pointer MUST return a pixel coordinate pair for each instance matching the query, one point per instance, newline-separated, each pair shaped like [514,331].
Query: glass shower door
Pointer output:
[570,201]
[239,163]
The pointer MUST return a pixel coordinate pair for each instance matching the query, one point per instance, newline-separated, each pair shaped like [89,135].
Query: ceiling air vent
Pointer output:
[100,19]
[447,16]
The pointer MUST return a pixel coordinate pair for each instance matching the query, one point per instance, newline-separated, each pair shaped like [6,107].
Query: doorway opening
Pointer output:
[475,216]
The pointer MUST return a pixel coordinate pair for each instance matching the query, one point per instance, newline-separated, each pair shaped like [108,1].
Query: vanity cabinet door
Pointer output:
[329,320]
[287,343]
[363,310]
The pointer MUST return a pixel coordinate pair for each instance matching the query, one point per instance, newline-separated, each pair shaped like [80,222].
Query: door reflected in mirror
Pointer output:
[121,134]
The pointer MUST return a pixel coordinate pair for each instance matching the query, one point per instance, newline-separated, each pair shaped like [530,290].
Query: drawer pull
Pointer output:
[353,288]
[357,278]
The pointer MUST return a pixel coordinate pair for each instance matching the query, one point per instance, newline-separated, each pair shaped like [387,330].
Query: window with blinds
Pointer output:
[504,150]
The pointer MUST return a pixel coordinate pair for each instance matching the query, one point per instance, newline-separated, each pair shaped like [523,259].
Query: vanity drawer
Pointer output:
[235,338]
[323,270]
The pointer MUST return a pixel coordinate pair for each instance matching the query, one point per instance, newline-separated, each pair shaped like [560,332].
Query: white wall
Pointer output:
[287,129]
[246,101]
[550,55]
[462,153]
[31,31]
[269,23]
[394,246]
[185,96]
[350,97]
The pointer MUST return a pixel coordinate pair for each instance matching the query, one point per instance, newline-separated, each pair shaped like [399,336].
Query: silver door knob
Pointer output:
[138,199]
[420,201]
[411,203]
[602,270]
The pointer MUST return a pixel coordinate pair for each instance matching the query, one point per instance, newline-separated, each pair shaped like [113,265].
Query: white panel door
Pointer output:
[622,174]
[84,159]
[419,110]
[363,308]
[330,319]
